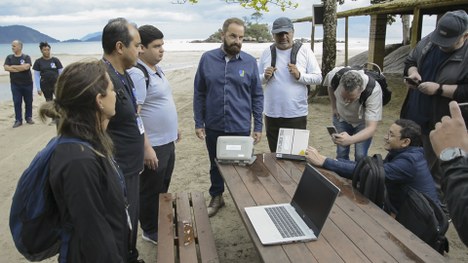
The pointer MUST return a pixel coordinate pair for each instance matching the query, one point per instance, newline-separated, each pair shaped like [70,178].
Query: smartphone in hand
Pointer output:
[332,130]
[412,81]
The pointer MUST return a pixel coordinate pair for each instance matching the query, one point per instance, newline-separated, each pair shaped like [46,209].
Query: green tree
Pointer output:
[258,5]
[257,16]
[258,31]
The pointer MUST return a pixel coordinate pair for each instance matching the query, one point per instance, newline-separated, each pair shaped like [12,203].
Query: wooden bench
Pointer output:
[184,229]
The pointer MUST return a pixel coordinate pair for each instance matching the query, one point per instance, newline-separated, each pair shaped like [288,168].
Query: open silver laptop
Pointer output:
[235,149]
[302,219]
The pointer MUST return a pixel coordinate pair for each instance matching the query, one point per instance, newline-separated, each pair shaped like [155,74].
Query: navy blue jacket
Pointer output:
[403,168]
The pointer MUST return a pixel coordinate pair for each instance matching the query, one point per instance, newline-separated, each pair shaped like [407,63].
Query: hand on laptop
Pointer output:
[314,157]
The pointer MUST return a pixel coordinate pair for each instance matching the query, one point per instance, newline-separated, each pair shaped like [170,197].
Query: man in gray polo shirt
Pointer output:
[159,114]
[355,123]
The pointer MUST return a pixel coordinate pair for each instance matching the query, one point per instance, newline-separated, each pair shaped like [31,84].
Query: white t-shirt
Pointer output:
[284,96]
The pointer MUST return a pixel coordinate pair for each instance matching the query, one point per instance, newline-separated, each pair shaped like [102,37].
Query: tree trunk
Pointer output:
[405,21]
[329,40]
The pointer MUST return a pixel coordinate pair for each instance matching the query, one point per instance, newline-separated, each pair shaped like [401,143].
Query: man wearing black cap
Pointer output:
[439,66]
[285,101]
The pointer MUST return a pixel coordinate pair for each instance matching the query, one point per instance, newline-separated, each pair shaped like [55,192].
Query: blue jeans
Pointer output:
[20,92]
[360,148]
[217,182]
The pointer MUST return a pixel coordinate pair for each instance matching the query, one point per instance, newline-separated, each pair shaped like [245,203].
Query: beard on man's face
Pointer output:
[232,49]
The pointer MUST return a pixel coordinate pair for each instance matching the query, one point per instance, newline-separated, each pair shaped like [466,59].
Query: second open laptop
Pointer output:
[302,219]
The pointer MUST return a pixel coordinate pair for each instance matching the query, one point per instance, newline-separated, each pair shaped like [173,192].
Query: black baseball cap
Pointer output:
[450,28]
[282,24]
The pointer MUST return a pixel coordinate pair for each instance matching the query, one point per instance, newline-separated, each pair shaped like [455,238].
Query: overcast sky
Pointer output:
[74,19]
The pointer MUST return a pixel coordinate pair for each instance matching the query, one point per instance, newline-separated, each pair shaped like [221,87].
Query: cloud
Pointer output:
[76,18]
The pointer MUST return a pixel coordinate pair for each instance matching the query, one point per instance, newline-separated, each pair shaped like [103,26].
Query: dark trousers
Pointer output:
[132,183]
[217,182]
[273,125]
[154,182]
[20,93]
[47,88]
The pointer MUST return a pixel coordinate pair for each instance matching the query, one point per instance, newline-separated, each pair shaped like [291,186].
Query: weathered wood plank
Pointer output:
[203,233]
[166,229]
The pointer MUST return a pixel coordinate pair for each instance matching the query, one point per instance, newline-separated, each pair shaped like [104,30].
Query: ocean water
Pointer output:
[171,45]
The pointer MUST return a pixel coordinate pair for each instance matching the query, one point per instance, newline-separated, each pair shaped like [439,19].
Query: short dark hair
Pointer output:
[232,20]
[115,30]
[351,80]
[410,130]
[43,45]
[149,33]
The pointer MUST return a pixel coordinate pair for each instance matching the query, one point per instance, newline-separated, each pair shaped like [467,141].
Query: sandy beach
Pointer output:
[18,147]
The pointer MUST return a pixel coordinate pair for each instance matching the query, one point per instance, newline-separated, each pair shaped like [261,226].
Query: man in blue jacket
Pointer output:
[227,94]
[405,165]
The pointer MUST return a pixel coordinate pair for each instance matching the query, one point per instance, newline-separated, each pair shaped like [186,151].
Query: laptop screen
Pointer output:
[314,198]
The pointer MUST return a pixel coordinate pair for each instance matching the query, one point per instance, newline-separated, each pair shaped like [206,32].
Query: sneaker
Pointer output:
[152,238]
[17,124]
[29,121]
[215,204]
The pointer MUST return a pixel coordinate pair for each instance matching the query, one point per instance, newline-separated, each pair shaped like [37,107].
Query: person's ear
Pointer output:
[99,101]
[119,47]
[405,142]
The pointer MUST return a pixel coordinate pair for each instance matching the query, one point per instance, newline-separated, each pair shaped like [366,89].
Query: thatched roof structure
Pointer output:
[379,12]
[407,7]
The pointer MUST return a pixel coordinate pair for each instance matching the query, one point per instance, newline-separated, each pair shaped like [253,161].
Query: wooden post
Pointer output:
[416,27]
[346,41]
[312,37]
[378,30]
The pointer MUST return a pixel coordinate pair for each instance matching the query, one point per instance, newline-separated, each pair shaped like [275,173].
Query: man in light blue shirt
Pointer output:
[159,115]
[227,94]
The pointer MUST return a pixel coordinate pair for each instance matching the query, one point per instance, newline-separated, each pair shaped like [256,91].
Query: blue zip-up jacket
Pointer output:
[227,93]
[403,168]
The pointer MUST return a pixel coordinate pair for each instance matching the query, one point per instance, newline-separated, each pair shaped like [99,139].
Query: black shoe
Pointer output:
[29,121]
[138,261]
[17,124]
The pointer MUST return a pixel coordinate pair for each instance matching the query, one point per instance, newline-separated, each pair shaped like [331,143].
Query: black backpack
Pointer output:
[426,219]
[369,179]
[34,218]
[374,75]
[293,59]
[145,73]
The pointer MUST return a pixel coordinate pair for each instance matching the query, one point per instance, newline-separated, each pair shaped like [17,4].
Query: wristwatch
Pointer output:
[449,154]
[440,90]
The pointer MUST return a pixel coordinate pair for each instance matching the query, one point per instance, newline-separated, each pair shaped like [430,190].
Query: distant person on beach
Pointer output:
[286,95]
[46,71]
[450,142]
[19,64]
[355,123]
[439,67]
[228,92]
[84,180]
[121,44]
[159,114]
[404,164]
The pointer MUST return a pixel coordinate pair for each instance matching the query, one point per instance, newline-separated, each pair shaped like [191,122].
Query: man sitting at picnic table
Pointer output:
[404,165]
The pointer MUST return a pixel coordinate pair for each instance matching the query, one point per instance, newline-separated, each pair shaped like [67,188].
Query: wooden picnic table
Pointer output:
[356,229]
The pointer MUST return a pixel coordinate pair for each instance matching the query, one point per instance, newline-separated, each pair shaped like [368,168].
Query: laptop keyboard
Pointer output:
[284,222]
